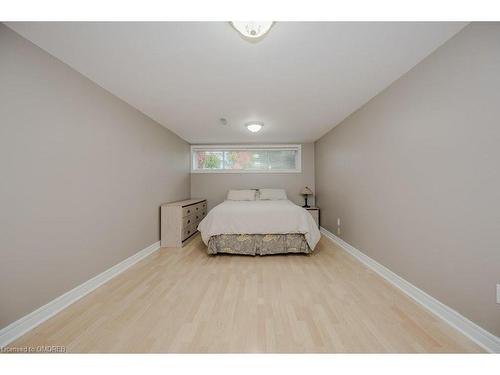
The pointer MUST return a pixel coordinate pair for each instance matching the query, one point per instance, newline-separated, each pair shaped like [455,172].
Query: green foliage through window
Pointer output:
[247,160]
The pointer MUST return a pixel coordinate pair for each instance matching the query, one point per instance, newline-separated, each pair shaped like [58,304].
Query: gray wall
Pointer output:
[82,176]
[214,186]
[415,175]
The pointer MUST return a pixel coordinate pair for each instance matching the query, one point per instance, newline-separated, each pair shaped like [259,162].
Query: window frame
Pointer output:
[249,147]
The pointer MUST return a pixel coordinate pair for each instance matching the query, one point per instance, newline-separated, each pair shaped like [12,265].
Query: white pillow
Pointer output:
[272,194]
[241,195]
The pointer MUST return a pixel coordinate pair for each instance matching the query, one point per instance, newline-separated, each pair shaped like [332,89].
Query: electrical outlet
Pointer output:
[498,293]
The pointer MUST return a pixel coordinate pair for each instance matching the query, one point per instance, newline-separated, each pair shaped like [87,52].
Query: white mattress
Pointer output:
[259,217]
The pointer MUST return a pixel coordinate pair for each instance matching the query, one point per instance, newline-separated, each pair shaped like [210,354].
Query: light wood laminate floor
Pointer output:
[183,300]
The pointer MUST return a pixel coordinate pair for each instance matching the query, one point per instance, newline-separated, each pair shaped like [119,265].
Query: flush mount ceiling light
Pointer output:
[252,30]
[254,126]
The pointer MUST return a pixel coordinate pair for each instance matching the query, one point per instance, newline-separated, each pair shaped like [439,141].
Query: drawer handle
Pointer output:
[189,221]
[189,231]
[197,217]
[189,211]
[197,208]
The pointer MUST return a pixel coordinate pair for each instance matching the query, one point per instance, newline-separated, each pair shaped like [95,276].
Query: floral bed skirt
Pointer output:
[258,244]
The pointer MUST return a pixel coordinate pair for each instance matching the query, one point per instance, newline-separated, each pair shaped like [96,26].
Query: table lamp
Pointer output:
[305,192]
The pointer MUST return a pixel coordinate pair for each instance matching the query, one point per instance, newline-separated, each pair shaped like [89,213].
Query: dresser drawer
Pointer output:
[199,208]
[189,230]
[194,209]
[198,216]
[188,210]
[187,221]
[193,219]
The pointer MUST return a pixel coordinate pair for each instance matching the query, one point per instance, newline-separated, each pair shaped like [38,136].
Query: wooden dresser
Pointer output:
[179,221]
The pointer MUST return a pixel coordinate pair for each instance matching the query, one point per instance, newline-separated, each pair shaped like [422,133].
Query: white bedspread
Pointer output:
[259,217]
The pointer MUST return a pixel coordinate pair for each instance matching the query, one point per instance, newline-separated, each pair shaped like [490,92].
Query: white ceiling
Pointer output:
[301,80]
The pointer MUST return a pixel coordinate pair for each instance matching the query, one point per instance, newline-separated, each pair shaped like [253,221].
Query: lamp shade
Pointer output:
[306,191]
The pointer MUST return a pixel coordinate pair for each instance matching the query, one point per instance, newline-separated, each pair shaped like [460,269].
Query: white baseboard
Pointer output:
[30,321]
[480,336]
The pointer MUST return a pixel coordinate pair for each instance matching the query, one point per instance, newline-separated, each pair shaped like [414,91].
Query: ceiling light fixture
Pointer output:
[254,126]
[252,30]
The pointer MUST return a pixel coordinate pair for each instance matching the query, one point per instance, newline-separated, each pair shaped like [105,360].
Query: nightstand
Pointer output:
[314,211]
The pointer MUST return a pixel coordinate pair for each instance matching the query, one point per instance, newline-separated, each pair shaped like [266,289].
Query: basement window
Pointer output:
[246,159]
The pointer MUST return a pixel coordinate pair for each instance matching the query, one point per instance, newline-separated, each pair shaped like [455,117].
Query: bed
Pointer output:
[259,227]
